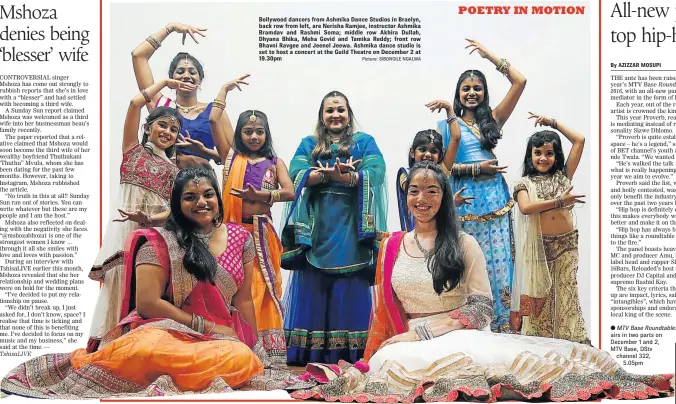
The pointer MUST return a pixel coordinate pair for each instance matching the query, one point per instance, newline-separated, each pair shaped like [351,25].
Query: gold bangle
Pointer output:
[219,104]
[168,30]
[503,66]
[153,42]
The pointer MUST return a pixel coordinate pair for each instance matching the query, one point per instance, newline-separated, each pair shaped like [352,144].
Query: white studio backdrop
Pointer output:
[388,98]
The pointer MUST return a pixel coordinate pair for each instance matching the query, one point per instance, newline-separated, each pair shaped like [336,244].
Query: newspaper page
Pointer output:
[86,314]
[49,175]
[637,94]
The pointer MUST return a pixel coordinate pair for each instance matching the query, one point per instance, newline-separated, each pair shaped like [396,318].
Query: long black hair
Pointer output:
[186,56]
[266,150]
[323,148]
[446,264]
[197,260]
[161,112]
[490,133]
[537,140]
[423,138]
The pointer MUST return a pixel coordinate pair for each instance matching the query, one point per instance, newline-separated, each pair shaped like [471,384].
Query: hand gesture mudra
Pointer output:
[438,105]
[489,167]
[459,199]
[541,119]
[186,142]
[248,194]
[176,84]
[476,46]
[332,172]
[348,166]
[136,216]
[186,29]
[232,84]
[571,199]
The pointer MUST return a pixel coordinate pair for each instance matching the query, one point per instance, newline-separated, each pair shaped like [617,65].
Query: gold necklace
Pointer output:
[255,161]
[468,122]
[185,110]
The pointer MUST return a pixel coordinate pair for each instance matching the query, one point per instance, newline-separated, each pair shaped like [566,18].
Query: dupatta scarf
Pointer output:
[371,202]
[388,317]
[182,289]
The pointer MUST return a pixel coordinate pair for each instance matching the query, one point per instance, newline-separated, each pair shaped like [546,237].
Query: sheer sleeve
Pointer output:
[477,309]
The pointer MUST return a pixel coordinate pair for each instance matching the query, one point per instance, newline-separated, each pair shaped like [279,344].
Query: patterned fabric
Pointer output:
[146,255]
[390,313]
[108,264]
[332,226]
[583,374]
[488,218]
[470,364]
[142,168]
[159,356]
[262,175]
[547,186]
[239,251]
[329,244]
[475,312]
[327,317]
[561,314]
[412,286]
[495,239]
[492,192]
[266,284]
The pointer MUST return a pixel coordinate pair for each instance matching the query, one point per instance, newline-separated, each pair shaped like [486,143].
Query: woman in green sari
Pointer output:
[340,208]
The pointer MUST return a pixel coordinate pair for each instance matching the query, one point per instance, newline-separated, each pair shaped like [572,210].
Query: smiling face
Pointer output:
[163,132]
[186,72]
[471,92]
[424,196]
[253,135]
[426,152]
[543,157]
[335,114]
[199,203]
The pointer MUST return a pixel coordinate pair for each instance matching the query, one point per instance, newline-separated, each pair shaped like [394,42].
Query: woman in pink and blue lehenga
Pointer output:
[329,244]
[488,219]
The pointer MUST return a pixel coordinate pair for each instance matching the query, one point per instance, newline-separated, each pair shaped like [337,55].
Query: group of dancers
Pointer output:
[464,303]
